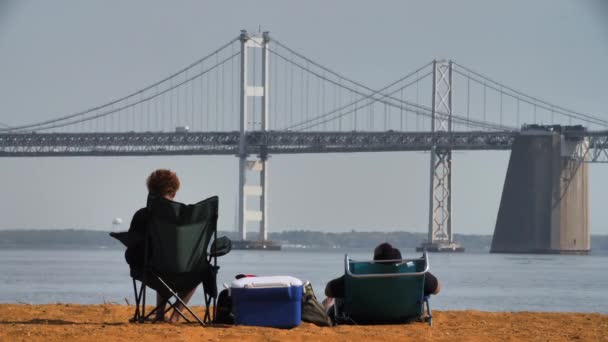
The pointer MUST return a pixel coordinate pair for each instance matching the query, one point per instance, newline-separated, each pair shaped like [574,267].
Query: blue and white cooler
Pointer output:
[267,301]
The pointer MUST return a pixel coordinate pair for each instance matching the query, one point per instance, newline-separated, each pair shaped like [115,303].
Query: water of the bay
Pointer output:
[479,281]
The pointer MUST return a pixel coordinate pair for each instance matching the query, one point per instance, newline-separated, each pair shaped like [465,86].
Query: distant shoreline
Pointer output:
[309,239]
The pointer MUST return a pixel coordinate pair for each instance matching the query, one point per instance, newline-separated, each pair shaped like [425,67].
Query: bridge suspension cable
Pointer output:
[305,95]
[365,96]
[43,125]
[520,96]
[400,103]
[133,104]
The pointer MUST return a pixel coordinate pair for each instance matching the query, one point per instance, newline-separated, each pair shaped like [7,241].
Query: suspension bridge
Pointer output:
[255,96]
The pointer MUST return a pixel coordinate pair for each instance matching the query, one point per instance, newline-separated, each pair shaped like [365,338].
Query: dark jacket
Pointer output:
[135,253]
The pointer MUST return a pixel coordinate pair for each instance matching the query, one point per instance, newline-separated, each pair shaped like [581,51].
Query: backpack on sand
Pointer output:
[312,311]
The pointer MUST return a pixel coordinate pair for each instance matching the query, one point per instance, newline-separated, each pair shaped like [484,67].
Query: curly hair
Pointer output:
[163,182]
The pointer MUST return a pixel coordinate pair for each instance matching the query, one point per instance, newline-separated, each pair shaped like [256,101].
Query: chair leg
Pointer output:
[138,316]
[152,312]
[178,299]
[143,305]
[174,307]
[429,316]
[208,300]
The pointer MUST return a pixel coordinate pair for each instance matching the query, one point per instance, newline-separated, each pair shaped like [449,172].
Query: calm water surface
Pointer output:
[493,282]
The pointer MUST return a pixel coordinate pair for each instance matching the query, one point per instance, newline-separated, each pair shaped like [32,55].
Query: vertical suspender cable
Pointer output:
[301,102]
[223,102]
[318,97]
[157,116]
[172,122]
[216,97]
[334,102]
[340,103]
[356,107]
[208,100]
[371,115]
[484,101]
[417,101]
[163,112]
[354,110]
[518,113]
[186,101]
[132,117]
[324,98]
[192,88]
[232,77]
[307,103]
[386,118]
[501,106]
[202,98]
[278,94]
[401,110]
[177,107]
[290,91]
[468,102]
[148,116]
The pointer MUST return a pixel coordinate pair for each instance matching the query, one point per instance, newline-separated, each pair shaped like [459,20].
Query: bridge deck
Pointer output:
[271,142]
[227,143]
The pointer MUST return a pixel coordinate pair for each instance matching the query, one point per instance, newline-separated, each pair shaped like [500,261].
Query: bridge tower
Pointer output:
[259,164]
[440,237]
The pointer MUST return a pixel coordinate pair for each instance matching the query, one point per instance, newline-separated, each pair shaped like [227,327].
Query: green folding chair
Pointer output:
[384,292]
[177,256]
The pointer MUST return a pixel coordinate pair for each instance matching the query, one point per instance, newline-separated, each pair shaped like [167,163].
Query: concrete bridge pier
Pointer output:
[544,204]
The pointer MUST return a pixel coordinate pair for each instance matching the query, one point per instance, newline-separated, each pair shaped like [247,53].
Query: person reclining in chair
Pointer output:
[384,251]
[163,183]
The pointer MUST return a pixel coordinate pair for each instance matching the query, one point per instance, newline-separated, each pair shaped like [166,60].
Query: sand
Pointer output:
[109,322]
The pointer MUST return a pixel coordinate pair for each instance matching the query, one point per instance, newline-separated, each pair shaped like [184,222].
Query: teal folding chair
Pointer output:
[384,292]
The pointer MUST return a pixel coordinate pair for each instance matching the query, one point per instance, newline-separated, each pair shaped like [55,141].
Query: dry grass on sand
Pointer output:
[71,322]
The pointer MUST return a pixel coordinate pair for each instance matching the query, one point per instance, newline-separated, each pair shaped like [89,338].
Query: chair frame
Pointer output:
[140,315]
[342,316]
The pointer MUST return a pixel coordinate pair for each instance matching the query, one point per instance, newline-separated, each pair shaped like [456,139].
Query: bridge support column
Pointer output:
[544,204]
[259,164]
[440,191]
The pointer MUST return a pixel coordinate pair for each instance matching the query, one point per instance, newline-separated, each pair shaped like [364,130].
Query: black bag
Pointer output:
[312,311]
[223,312]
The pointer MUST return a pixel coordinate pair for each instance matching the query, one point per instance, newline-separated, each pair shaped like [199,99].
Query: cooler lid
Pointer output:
[266,282]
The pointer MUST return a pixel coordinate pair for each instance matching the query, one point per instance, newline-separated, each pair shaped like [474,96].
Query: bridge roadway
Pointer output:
[271,142]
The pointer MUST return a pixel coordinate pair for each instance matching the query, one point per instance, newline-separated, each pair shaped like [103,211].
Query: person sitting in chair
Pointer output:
[161,183]
[384,251]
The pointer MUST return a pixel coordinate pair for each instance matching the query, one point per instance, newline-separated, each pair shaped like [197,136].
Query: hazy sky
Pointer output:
[62,56]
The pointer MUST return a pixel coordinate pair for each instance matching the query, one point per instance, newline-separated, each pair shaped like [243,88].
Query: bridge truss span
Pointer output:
[227,143]
[593,147]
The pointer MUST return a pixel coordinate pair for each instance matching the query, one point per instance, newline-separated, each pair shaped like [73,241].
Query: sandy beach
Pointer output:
[72,322]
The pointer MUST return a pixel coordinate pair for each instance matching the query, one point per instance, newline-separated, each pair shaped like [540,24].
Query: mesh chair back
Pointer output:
[384,293]
[179,234]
